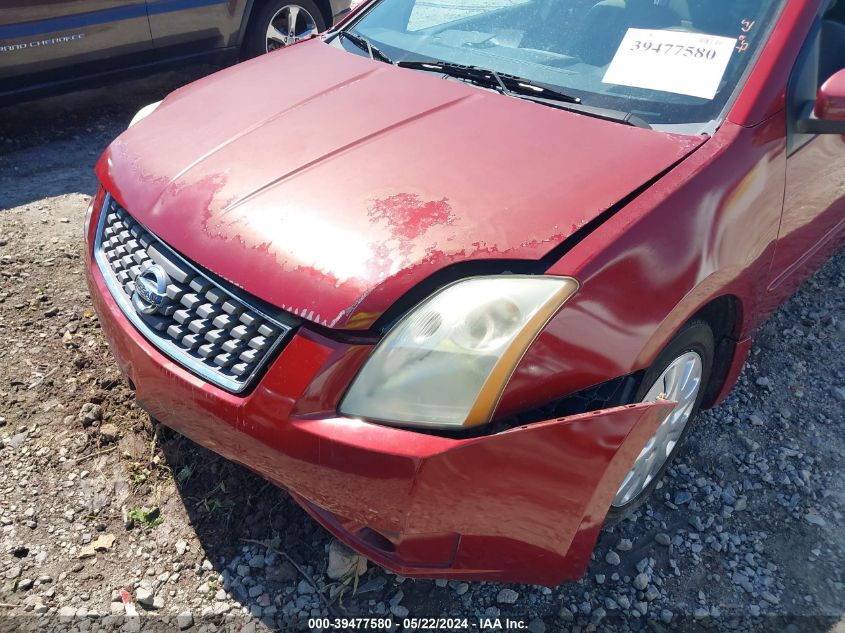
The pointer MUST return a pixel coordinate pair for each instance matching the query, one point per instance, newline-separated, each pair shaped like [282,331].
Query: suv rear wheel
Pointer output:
[282,22]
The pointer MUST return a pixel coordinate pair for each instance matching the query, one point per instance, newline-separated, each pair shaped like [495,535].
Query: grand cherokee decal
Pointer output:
[50,41]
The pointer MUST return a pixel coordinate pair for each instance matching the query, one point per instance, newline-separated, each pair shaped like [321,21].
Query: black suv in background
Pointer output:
[48,46]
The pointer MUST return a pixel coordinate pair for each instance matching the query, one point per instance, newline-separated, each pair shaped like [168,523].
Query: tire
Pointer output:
[696,336]
[255,41]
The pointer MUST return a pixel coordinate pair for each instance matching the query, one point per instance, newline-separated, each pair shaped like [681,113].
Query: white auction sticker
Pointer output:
[672,61]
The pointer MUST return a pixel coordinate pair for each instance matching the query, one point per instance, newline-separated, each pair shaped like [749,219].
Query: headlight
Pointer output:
[445,364]
[143,113]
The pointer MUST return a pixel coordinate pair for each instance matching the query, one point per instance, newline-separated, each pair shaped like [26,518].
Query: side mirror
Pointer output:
[827,115]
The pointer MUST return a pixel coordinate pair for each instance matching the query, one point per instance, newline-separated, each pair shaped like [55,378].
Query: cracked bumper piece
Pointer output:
[525,505]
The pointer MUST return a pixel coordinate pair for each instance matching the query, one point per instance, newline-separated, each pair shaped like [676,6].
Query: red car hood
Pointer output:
[328,184]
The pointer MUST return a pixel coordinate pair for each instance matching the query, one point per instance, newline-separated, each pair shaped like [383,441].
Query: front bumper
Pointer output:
[525,505]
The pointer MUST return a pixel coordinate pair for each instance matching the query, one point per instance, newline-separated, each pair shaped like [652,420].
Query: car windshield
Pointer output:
[672,63]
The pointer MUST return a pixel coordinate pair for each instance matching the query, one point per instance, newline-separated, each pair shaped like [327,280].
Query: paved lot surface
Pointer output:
[103,517]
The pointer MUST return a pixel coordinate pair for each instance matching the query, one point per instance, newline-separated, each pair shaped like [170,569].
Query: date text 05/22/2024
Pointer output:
[428,624]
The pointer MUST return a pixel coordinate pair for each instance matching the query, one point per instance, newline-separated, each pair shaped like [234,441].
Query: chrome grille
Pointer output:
[210,330]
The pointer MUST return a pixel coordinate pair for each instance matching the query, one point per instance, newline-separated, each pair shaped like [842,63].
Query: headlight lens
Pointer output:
[143,113]
[444,365]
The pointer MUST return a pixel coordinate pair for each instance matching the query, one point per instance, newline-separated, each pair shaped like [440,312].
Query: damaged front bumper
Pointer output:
[525,505]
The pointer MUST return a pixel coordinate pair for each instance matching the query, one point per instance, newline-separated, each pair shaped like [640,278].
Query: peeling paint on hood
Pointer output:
[328,184]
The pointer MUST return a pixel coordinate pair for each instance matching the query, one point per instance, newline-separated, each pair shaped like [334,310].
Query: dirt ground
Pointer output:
[107,521]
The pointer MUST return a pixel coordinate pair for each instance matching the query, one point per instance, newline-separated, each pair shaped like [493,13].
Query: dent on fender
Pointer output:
[723,204]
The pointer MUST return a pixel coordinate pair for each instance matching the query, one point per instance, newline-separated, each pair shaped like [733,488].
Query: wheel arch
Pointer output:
[724,315]
[249,13]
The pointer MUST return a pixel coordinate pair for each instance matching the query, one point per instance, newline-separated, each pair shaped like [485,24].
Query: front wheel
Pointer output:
[282,22]
[679,374]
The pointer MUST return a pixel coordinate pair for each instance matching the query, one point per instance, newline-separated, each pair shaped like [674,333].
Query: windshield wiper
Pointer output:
[507,84]
[364,44]
[514,86]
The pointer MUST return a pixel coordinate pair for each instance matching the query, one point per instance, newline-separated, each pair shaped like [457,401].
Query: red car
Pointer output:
[458,277]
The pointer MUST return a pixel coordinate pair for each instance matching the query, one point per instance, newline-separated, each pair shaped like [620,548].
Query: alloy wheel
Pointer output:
[680,382]
[290,24]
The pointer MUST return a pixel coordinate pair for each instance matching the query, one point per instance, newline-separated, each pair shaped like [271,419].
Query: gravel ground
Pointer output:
[109,521]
